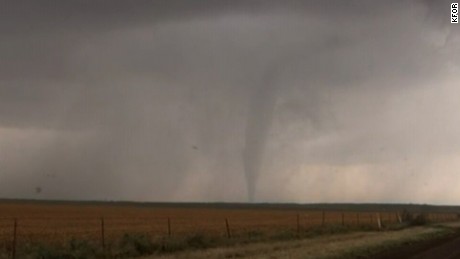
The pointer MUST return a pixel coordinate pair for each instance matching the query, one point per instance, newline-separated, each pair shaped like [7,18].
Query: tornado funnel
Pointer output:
[261,108]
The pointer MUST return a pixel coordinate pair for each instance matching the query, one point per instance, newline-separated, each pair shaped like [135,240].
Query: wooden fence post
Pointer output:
[323,220]
[15,231]
[169,226]
[298,224]
[103,234]
[228,228]
[306,220]
[379,221]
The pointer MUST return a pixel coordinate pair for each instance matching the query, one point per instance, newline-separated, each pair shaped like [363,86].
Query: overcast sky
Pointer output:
[271,101]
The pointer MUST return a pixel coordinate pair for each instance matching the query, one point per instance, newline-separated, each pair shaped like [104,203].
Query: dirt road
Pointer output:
[439,242]
[447,247]
[351,245]
[448,250]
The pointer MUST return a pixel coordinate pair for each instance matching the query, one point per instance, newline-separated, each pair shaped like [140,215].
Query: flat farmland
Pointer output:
[105,223]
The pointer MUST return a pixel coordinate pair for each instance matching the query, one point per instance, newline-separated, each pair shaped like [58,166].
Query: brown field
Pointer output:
[55,223]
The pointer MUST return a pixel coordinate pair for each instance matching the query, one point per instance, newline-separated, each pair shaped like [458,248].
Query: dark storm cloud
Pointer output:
[171,100]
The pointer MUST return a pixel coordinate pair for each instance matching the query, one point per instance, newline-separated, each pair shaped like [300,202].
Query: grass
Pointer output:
[328,246]
[141,244]
[51,230]
[369,251]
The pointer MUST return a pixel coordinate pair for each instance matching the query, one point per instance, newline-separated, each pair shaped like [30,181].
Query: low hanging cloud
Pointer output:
[229,101]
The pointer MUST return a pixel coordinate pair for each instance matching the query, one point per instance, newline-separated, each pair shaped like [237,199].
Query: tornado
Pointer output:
[260,114]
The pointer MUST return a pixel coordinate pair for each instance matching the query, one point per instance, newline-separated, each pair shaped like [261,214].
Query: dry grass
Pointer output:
[335,246]
[58,223]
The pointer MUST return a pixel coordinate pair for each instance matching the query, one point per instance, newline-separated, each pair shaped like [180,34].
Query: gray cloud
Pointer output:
[161,100]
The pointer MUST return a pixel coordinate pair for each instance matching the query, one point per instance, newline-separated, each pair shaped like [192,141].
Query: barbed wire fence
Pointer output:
[105,231]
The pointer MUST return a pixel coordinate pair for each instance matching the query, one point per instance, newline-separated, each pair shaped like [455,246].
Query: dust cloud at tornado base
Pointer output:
[298,102]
